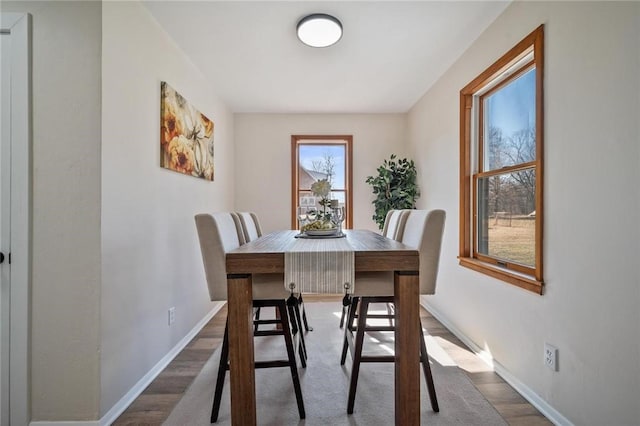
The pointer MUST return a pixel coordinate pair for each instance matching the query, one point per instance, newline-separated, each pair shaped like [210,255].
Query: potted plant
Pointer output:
[395,187]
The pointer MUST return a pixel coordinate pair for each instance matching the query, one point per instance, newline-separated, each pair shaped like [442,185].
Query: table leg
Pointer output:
[407,349]
[241,362]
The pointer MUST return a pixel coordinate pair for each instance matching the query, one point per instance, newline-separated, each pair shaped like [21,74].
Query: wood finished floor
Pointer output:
[157,401]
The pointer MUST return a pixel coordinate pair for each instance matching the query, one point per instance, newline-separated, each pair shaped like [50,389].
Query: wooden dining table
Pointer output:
[372,252]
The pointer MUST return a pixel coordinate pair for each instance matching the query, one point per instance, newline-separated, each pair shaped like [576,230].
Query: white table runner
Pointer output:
[319,266]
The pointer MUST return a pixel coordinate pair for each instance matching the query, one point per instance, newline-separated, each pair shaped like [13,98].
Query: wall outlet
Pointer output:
[551,356]
[172,315]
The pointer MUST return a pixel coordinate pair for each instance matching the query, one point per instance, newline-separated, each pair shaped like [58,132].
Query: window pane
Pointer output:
[322,162]
[507,217]
[509,119]
[307,199]
[338,195]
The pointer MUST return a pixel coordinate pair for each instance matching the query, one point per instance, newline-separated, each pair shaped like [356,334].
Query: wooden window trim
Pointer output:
[508,169]
[522,277]
[346,140]
[519,280]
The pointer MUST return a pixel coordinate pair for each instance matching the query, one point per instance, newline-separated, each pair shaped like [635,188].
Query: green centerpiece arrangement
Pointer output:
[395,187]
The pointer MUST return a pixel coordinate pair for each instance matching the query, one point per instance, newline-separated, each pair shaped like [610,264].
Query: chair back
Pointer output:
[423,230]
[218,233]
[250,225]
[394,224]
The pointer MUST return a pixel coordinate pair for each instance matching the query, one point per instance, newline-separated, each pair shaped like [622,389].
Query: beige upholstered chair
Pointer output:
[393,226]
[251,230]
[250,226]
[394,223]
[420,229]
[220,233]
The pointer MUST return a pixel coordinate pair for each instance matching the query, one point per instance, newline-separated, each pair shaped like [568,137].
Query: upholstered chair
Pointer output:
[420,229]
[250,225]
[252,230]
[392,228]
[218,234]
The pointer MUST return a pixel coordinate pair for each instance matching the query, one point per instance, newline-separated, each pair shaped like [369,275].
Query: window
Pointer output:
[501,141]
[321,157]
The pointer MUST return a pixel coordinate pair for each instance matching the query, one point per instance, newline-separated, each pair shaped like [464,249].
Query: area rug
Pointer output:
[325,385]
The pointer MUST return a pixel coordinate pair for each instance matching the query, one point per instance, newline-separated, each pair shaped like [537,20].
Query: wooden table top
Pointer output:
[372,252]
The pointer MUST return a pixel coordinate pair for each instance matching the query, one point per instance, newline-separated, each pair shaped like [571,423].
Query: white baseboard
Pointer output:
[534,399]
[78,423]
[142,384]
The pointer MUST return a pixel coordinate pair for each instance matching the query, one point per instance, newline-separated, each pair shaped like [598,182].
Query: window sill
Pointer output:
[520,280]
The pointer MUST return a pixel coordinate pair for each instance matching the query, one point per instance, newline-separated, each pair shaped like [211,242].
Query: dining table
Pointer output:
[371,253]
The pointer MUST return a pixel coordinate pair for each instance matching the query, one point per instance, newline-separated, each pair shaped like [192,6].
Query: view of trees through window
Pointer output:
[316,158]
[322,162]
[507,183]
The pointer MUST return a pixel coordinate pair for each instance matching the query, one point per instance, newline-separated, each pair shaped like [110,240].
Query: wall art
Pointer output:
[186,136]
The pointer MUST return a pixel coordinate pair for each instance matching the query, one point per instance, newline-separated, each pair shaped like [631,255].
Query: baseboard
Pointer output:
[527,393]
[142,384]
[78,423]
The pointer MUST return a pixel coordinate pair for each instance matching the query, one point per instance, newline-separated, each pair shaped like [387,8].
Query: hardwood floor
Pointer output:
[157,401]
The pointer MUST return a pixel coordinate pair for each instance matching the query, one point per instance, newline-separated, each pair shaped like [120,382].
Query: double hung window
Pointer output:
[501,216]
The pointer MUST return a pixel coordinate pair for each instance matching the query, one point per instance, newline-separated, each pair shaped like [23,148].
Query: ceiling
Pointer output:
[390,54]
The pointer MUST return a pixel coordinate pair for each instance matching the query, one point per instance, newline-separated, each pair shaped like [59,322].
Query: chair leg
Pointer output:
[222,370]
[363,309]
[348,330]
[296,327]
[303,344]
[304,314]
[344,312]
[424,359]
[282,307]
[346,302]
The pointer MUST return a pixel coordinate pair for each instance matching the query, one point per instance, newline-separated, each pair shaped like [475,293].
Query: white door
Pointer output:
[15,211]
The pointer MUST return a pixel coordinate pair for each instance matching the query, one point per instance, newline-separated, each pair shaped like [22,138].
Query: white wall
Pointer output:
[64,365]
[150,254]
[263,153]
[592,211]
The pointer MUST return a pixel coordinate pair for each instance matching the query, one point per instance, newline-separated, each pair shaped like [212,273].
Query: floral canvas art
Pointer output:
[186,136]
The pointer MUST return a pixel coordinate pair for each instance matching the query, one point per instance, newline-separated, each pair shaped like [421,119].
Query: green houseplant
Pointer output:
[395,187]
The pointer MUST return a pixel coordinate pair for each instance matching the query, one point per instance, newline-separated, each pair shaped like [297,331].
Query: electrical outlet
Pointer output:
[551,356]
[172,315]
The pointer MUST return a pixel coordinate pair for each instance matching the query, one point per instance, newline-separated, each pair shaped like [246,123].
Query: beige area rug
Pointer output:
[325,385]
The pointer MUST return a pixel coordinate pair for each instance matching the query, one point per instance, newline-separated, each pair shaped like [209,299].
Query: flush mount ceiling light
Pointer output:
[319,30]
